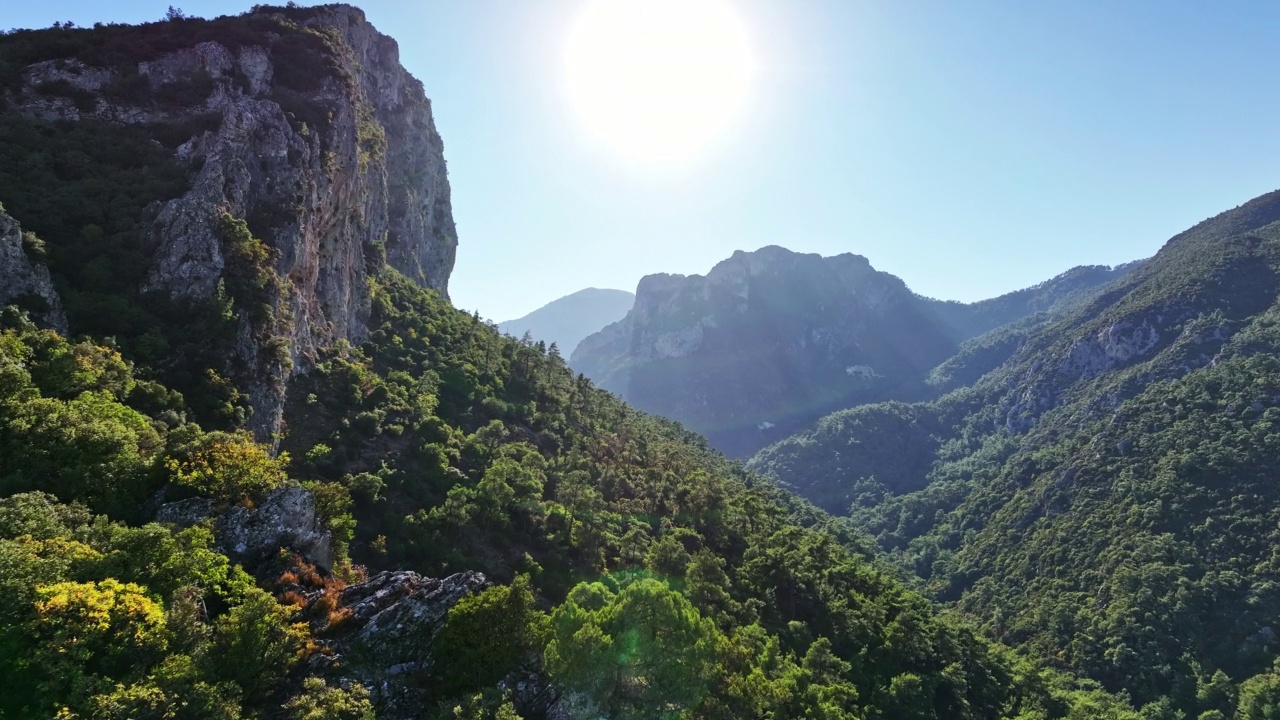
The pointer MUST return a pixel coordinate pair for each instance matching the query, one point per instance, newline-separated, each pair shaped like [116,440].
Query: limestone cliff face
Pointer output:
[769,341]
[764,343]
[316,136]
[22,278]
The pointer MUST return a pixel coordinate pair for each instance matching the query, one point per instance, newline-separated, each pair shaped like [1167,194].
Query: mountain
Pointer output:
[421,517]
[1053,296]
[1103,494]
[769,341]
[210,184]
[568,320]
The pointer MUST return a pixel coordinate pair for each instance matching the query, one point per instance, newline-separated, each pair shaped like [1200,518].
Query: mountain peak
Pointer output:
[567,320]
[764,341]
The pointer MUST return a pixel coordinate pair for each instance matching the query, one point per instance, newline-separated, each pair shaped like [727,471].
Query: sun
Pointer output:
[658,82]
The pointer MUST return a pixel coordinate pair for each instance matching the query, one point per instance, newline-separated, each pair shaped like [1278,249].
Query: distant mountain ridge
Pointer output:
[769,341]
[568,320]
[1057,294]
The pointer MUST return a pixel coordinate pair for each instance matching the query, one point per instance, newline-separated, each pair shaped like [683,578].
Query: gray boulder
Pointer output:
[399,614]
[185,513]
[395,619]
[286,519]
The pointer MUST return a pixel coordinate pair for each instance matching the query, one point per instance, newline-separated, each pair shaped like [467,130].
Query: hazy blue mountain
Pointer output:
[771,340]
[571,318]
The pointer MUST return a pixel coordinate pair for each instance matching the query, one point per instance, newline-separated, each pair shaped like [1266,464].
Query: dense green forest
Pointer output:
[629,571]
[1103,496]
[639,572]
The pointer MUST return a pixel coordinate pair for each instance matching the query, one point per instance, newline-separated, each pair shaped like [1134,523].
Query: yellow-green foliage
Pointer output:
[228,466]
[102,620]
[86,626]
[318,701]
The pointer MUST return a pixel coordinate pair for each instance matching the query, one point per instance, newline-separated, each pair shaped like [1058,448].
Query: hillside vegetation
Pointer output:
[1102,496]
[632,572]
[644,571]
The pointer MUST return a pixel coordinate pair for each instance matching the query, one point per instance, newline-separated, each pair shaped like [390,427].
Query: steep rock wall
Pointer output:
[764,343]
[311,132]
[22,278]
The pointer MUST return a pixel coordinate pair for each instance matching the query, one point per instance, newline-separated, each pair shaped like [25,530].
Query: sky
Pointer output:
[969,148]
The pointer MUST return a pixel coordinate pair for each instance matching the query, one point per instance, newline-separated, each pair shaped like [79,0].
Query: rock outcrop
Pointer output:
[308,128]
[285,519]
[400,613]
[771,340]
[394,618]
[26,280]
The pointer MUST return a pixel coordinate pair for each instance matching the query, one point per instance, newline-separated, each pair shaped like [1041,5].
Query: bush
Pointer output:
[318,701]
[230,467]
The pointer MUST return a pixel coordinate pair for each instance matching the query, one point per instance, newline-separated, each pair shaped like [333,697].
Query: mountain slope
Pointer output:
[153,567]
[1053,296]
[568,320]
[770,341]
[520,466]
[622,526]
[1102,495]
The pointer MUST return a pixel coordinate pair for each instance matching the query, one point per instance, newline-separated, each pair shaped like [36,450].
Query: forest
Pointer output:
[1111,511]
[633,568]
[1080,540]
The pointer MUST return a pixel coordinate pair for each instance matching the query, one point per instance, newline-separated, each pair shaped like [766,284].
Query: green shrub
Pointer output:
[228,466]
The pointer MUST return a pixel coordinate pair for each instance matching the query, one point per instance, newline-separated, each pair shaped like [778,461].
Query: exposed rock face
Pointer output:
[771,340]
[400,612]
[186,512]
[24,278]
[397,616]
[286,519]
[763,344]
[330,153]
[1118,343]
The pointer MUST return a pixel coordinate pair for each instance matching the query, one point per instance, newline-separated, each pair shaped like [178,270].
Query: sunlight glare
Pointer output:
[658,81]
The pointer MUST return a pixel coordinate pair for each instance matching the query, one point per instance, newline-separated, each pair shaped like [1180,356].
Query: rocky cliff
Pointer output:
[301,123]
[764,343]
[24,279]
[771,340]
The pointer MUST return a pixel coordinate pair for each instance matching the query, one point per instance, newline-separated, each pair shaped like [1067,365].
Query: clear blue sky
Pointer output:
[970,148]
